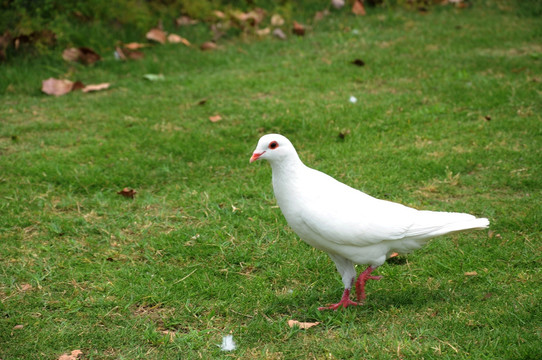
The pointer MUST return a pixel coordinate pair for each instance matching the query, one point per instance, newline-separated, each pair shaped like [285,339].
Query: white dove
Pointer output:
[351,226]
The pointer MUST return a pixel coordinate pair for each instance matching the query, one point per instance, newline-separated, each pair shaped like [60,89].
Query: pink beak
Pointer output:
[255,156]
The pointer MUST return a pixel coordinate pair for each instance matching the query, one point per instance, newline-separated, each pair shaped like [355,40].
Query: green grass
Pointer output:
[202,251]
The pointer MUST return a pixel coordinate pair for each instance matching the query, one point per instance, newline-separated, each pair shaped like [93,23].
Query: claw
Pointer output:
[345,302]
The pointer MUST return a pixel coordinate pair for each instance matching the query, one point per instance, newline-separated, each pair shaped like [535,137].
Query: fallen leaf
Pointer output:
[95,87]
[208,45]
[337,4]
[358,62]
[298,29]
[277,20]
[487,117]
[219,14]
[358,8]
[176,39]
[119,54]
[73,356]
[84,55]
[156,35]
[393,255]
[302,325]
[71,54]
[88,56]
[78,85]
[471,273]
[56,87]
[263,32]
[215,118]
[278,33]
[134,46]
[153,77]
[127,192]
[185,20]
[18,327]
[202,102]
[252,18]
[135,55]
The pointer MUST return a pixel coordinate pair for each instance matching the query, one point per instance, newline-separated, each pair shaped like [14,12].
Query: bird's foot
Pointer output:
[345,302]
[362,279]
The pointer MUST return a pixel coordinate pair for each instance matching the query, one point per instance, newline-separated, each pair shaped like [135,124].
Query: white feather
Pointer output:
[227,343]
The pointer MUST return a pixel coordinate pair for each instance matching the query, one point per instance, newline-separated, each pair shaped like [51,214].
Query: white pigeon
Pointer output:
[351,226]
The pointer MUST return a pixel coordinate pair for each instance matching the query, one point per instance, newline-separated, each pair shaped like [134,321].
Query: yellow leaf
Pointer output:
[302,325]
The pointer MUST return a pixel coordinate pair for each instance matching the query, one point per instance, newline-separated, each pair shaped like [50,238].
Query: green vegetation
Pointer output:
[447,118]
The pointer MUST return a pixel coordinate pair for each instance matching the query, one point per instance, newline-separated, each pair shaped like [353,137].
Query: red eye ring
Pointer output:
[273,145]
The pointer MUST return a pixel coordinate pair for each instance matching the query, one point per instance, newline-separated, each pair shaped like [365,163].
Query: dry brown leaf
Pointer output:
[127,192]
[56,87]
[96,87]
[252,18]
[126,53]
[135,55]
[78,85]
[263,32]
[73,356]
[278,33]
[120,54]
[471,273]
[337,4]
[219,14]
[208,45]
[358,8]
[83,54]
[298,29]
[302,325]
[71,54]
[156,35]
[277,20]
[134,46]
[215,118]
[25,287]
[88,56]
[185,20]
[176,39]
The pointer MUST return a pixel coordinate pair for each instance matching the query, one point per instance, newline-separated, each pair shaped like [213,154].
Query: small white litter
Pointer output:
[227,343]
[353,99]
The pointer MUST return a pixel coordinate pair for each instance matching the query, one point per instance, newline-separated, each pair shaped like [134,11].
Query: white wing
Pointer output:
[339,214]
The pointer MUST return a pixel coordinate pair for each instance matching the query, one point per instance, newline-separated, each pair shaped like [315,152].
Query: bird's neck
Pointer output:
[287,180]
[287,167]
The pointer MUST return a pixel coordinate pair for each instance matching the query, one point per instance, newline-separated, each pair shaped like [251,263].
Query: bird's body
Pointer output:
[351,226]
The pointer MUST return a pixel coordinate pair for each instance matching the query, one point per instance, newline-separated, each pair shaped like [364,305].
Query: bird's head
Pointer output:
[273,147]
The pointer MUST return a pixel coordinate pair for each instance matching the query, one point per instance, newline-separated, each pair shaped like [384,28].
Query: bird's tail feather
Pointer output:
[433,223]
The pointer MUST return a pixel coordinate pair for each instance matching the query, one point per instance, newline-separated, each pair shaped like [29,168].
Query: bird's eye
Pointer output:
[273,145]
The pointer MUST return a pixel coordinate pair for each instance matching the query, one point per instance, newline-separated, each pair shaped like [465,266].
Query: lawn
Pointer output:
[447,117]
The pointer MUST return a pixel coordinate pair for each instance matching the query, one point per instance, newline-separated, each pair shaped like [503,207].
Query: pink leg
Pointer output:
[345,302]
[362,279]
